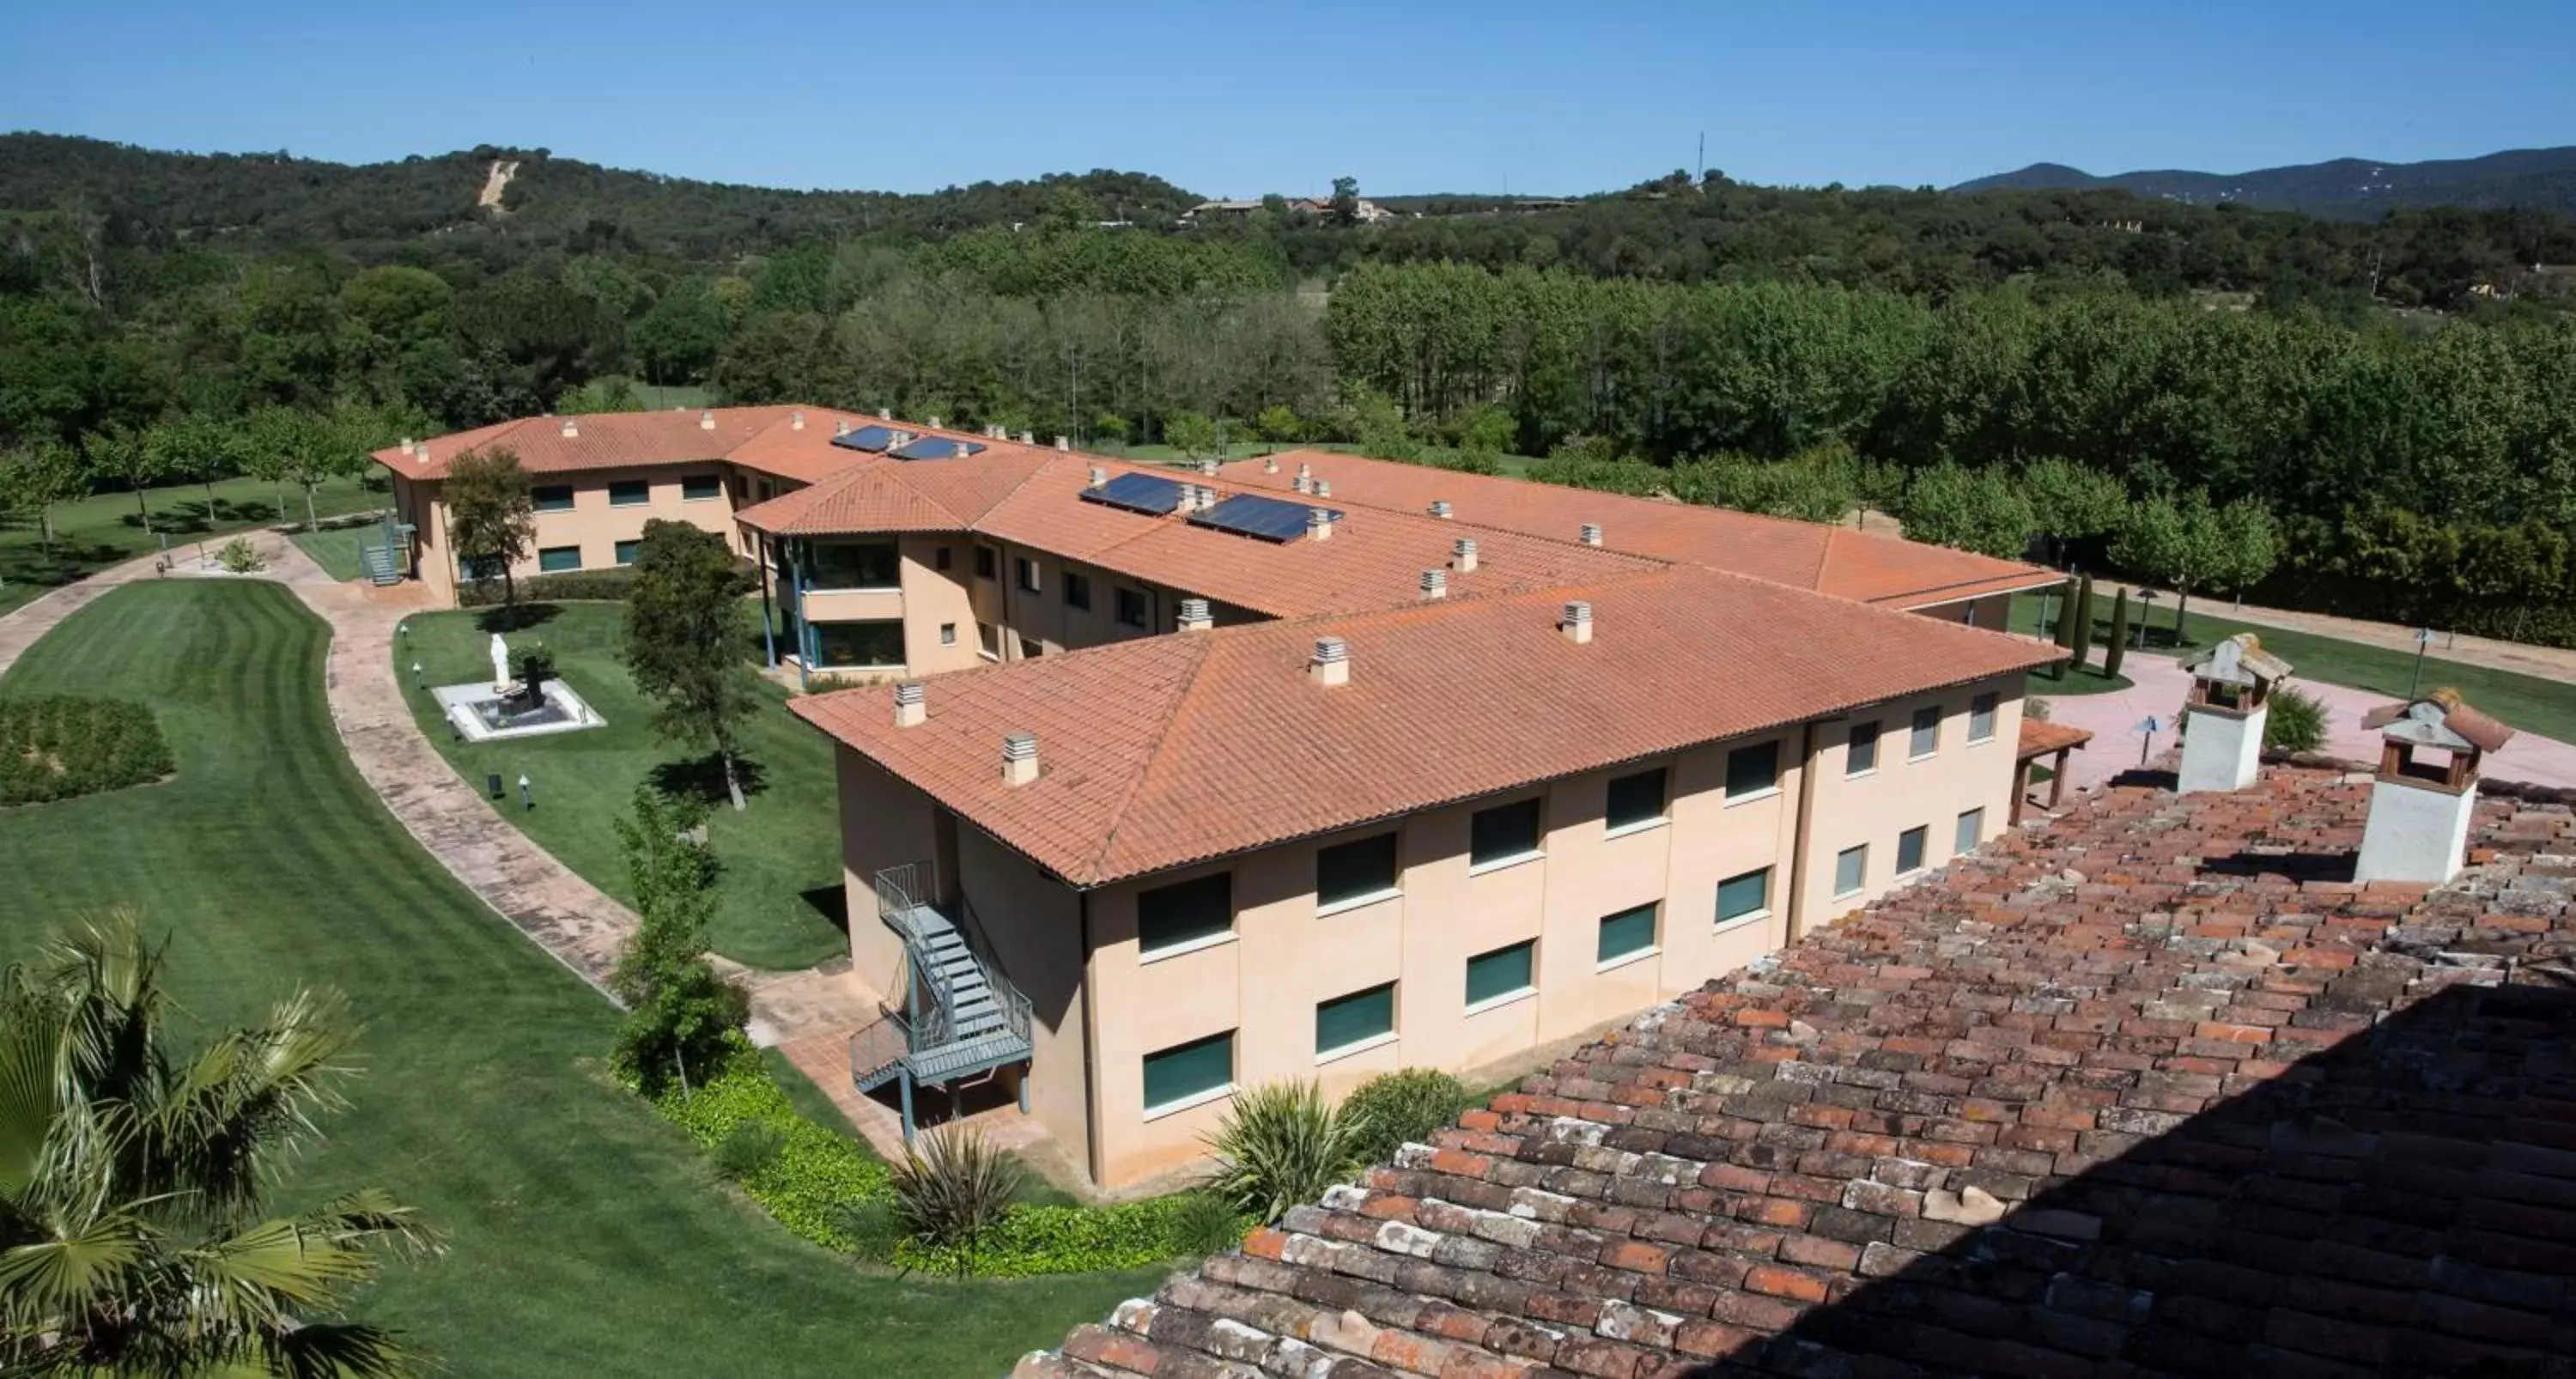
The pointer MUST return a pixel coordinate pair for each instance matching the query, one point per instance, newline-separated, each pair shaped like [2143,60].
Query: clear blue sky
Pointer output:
[1233,99]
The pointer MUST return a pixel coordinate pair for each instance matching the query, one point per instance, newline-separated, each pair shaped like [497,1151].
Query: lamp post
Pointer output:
[2423,641]
[417,680]
[527,792]
[2146,730]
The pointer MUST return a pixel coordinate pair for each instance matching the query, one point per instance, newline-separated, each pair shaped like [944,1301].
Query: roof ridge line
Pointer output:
[1162,748]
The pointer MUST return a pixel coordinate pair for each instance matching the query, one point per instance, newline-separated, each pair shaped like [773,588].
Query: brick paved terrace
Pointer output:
[2151,1090]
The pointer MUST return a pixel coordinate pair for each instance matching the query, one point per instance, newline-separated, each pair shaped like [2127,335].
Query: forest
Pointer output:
[2404,427]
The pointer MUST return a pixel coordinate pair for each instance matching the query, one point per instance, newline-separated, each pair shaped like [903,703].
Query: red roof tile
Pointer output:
[1159,752]
[2115,1097]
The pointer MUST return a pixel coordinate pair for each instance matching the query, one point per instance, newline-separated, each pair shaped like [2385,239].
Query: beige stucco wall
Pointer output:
[1904,792]
[885,822]
[1993,612]
[592,524]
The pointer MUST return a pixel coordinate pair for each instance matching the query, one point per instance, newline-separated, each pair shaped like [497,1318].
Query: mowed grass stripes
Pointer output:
[587,1236]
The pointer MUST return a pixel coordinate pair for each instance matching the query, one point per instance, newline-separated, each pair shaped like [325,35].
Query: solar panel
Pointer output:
[1271,519]
[1146,493]
[935,448]
[872,439]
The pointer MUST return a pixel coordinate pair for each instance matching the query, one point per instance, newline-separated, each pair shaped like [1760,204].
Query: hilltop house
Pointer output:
[1314,765]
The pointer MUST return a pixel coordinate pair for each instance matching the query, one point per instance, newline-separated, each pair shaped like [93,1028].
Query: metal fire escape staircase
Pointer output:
[961,1017]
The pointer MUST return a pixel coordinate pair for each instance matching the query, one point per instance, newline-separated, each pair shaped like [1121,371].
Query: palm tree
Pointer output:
[132,1177]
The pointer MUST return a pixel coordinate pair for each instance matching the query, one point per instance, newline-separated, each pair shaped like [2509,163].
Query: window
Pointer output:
[852,645]
[1981,718]
[1354,1019]
[626,551]
[1851,869]
[948,634]
[1502,973]
[1169,917]
[943,557]
[1909,849]
[1743,897]
[988,640]
[1627,933]
[1031,648]
[1927,731]
[552,497]
[628,493]
[1637,799]
[1753,770]
[988,563]
[1972,831]
[1361,870]
[1189,1072]
[482,567]
[1862,758]
[698,488]
[1504,833]
[1027,571]
[1131,608]
[856,565]
[1077,591]
[554,558]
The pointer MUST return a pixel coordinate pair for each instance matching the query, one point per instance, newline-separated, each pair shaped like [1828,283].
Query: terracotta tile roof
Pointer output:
[2039,737]
[2133,1094]
[1167,750]
[617,440]
[1805,555]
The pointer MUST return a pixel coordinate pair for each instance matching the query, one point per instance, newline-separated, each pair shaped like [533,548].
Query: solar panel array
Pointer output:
[1145,493]
[1270,519]
[872,439]
[936,448]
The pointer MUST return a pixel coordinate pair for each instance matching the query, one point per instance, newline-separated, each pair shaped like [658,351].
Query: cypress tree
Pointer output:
[2065,629]
[2119,646]
[2080,636]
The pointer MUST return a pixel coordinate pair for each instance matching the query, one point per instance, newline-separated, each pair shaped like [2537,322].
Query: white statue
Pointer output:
[500,664]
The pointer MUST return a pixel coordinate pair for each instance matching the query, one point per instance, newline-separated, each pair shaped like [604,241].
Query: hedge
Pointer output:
[818,1176]
[569,586]
[59,746]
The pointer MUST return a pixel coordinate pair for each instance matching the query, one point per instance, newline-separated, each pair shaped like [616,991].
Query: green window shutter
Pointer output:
[1356,1018]
[1187,1070]
[1909,849]
[1972,830]
[1353,869]
[630,493]
[626,551]
[700,487]
[1748,894]
[1509,830]
[1629,931]
[552,497]
[1169,916]
[1501,972]
[1752,770]
[1636,799]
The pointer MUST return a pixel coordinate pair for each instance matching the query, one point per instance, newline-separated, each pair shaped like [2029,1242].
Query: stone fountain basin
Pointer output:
[480,714]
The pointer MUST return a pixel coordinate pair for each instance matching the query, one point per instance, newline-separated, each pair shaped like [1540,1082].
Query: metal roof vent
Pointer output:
[1591,533]
[1332,662]
[1577,622]
[1463,555]
[1319,525]
[706,421]
[1440,508]
[1435,584]
[910,705]
[571,427]
[1196,615]
[1019,758]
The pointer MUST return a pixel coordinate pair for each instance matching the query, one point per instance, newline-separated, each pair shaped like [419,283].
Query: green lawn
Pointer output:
[335,549]
[780,896]
[2546,707]
[105,530]
[586,1235]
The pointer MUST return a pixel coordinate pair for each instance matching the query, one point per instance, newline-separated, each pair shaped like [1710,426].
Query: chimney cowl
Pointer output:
[1440,508]
[1577,622]
[885,414]
[1319,525]
[840,426]
[911,704]
[1270,465]
[1463,554]
[934,423]
[1301,484]
[796,422]
[1096,477]
[1591,533]
[706,421]
[1207,466]
[406,445]
[1063,443]
[1331,664]
[1196,616]
[1028,438]
[571,427]
[1019,758]
[1435,584]
[1323,488]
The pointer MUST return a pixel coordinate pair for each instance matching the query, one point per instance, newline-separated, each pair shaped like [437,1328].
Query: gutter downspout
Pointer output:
[768,623]
[1090,1018]
[804,629]
[1802,846]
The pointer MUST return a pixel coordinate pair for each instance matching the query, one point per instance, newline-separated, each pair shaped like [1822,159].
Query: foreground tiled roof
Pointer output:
[1166,750]
[2145,1092]
[1805,555]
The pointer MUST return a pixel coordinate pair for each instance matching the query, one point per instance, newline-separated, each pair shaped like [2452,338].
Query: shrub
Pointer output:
[1031,1240]
[1407,1105]
[2296,721]
[1205,1224]
[1280,1145]
[748,1148]
[240,558]
[2119,646]
[954,1188]
[60,746]
[816,1175]
[568,586]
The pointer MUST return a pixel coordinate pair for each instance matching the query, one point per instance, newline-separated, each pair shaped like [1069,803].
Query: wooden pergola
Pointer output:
[2040,738]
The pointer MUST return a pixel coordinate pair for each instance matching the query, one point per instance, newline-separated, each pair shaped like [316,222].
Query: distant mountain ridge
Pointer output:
[2342,188]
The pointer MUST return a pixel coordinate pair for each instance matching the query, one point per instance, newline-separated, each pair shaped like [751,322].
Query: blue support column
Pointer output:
[906,1078]
[1024,1087]
[768,618]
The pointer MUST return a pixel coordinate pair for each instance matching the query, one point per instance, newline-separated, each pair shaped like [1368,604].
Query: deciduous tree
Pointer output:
[679,1011]
[687,632]
[491,517]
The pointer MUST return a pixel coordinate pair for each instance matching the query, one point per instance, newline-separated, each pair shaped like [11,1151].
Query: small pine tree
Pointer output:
[2119,646]
[679,1011]
[2080,623]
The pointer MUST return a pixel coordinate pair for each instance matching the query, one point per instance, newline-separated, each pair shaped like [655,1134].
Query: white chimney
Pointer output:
[1062,443]
[1302,484]
[910,707]
[1028,438]
[1208,466]
[1435,584]
[571,427]
[1270,465]
[1463,556]
[1591,534]
[934,423]
[840,426]
[1323,488]
[1097,477]
[1019,758]
[1305,470]
[706,421]
[406,445]
[1332,663]
[1577,622]
[885,414]
[421,451]
[1207,497]
[796,421]
[1440,508]
[1195,615]
[1319,525]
